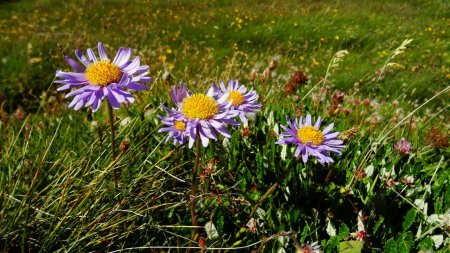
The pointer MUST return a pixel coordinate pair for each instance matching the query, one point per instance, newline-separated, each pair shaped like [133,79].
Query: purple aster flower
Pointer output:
[175,125]
[98,78]
[310,140]
[309,248]
[200,113]
[241,100]
[403,147]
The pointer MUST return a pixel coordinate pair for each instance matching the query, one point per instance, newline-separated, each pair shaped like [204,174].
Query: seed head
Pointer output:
[273,65]
[245,132]
[437,139]
[338,97]
[348,134]
[360,174]
[253,74]
[124,145]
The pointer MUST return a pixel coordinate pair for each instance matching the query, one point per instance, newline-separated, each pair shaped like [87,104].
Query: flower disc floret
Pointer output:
[199,106]
[308,134]
[180,125]
[236,97]
[103,73]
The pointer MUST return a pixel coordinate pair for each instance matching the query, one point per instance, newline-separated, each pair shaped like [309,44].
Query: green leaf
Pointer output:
[294,214]
[236,243]
[343,232]
[426,244]
[220,220]
[333,244]
[351,246]
[390,246]
[405,242]
[409,219]
[377,224]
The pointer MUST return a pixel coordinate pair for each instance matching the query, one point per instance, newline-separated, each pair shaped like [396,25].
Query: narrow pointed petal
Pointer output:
[102,52]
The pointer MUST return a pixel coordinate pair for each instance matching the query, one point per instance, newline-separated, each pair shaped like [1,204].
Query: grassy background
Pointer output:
[55,182]
[303,34]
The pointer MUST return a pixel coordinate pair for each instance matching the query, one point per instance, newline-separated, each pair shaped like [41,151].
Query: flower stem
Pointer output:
[194,187]
[113,143]
[274,186]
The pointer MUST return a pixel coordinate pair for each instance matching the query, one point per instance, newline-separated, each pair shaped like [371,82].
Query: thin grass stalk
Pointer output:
[113,144]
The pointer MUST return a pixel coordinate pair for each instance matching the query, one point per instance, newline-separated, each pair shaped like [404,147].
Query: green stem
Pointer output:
[113,143]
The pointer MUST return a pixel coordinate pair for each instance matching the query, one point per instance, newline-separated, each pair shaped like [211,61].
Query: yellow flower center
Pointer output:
[310,134]
[180,125]
[237,97]
[103,73]
[199,106]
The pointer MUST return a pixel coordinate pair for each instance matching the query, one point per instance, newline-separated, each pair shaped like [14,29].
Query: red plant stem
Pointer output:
[194,187]
[113,144]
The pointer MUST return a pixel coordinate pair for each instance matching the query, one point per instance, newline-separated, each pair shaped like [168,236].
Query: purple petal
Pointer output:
[305,156]
[91,55]
[328,128]
[243,118]
[117,96]
[96,104]
[297,151]
[79,105]
[72,76]
[317,125]
[70,85]
[122,56]
[141,69]
[332,135]
[133,66]
[191,141]
[204,139]
[223,131]
[102,52]
[91,99]
[113,101]
[82,58]
[74,65]
[308,120]
[136,86]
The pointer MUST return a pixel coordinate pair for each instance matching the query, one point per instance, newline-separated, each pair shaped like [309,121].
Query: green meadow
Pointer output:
[379,70]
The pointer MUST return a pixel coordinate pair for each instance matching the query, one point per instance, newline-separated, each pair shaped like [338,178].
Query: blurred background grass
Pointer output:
[175,34]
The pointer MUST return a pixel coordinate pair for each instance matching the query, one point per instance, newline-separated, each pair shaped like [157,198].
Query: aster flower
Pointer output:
[206,115]
[241,100]
[175,125]
[310,140]
[309,248]
[98,78]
